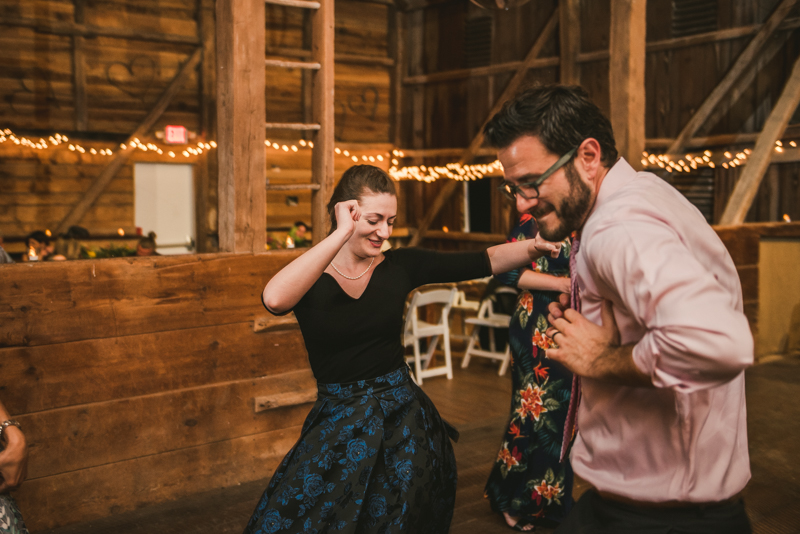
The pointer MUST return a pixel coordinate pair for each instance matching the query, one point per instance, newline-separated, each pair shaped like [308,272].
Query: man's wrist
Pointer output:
[13,437]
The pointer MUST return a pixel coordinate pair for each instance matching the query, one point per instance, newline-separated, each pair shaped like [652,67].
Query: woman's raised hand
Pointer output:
[347,214]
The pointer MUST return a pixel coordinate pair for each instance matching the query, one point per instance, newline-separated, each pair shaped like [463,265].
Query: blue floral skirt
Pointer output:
[374,456]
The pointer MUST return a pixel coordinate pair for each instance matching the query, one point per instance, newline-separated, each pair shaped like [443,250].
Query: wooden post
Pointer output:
[747,186]
[626,77]
[739,66]
[570,40]
[121,156]
[79,70]
[322,31]
[397,40]
[206,176]
[241,125]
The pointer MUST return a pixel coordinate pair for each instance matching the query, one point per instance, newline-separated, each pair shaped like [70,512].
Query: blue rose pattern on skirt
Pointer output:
[374,456]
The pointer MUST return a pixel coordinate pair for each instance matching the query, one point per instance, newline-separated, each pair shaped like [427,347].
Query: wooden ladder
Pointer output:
[321,66]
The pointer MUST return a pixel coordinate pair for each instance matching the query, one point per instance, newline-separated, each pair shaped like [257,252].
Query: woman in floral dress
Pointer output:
[528,484]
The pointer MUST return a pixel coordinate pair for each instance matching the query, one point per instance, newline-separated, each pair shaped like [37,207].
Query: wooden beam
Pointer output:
[569,30]
[459,74]
[86,30]
[121,156]
[283,400]
[397,40]
[598,55]
[207,180]
[452,185]
[322,158]
[358,59]
[745,80]
[746,188]
[272,323]
[626,77]
[241,88]
[739,66]
[79,70]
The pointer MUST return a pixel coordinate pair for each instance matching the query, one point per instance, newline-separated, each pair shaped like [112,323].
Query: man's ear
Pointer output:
[589,157]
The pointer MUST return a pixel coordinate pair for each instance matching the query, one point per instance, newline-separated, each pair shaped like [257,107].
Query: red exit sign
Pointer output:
[176,135]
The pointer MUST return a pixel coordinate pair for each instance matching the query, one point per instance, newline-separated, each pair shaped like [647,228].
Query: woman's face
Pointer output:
[378,212]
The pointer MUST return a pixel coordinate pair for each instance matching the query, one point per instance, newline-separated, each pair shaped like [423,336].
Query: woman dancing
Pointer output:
[528,484]
[374,455]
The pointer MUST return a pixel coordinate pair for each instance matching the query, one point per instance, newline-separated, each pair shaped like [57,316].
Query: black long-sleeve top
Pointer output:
[356,339]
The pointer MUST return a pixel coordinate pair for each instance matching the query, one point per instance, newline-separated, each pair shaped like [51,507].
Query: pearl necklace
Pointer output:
[354,277]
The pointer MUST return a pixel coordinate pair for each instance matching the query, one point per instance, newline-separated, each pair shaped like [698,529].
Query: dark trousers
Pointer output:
[593,514]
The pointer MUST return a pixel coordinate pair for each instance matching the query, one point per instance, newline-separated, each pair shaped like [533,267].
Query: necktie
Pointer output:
[571,424]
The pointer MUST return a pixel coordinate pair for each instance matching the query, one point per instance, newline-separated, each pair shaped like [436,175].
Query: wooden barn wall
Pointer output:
[124,77]
[677,80]
[134,379]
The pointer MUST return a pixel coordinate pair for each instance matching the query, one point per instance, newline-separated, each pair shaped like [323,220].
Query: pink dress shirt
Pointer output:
[676,296]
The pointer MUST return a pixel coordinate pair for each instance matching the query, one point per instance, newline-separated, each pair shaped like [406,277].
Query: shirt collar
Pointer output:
[618,175]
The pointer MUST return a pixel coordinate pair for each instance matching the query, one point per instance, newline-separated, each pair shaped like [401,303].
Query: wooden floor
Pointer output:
[477,401]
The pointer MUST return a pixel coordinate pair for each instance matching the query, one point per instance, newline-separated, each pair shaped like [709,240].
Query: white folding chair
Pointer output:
[416,329]
[487,318]
[461,304]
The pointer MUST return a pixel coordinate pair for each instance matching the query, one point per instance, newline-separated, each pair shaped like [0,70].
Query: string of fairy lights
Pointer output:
[691,162]
[454,171]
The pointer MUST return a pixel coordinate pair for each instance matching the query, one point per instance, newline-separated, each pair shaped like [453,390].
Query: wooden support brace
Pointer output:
[272,323]
[452,185]
[738,68]
[121,156]
[569,30]
[282,400]
[322,162]
[626,77]
[746,188]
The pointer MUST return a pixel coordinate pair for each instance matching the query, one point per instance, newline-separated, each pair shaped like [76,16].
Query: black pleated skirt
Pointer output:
[374,456]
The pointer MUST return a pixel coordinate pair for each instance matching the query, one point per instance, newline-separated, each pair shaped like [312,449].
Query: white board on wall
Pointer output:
[164,204]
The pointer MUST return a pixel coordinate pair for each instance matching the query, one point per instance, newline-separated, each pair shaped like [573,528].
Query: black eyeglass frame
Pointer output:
[511,190]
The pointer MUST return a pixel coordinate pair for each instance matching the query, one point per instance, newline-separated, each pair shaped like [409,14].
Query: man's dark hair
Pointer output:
[560,116]
[356,181]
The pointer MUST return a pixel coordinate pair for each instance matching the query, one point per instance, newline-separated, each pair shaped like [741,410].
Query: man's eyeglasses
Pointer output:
[530,190]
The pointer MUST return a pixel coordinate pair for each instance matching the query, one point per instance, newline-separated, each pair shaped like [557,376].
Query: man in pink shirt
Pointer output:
[656,332]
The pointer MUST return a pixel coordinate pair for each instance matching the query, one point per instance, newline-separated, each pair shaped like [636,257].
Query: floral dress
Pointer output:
[527,479]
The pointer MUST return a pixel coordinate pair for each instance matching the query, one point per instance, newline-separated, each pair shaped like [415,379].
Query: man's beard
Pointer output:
[570,213]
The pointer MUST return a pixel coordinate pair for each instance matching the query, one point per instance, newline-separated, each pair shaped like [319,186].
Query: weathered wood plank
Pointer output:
[569,32]
[271,323]
[48,303]
[48,377]
[322,161]
[118,487]
[284,400]
[626,77]
[96,434]
[240,126]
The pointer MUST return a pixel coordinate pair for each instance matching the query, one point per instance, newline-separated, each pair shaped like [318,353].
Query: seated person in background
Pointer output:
[37,247]
[67,246]
[300,235]
[13,470]
[147,246]
[4,257]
